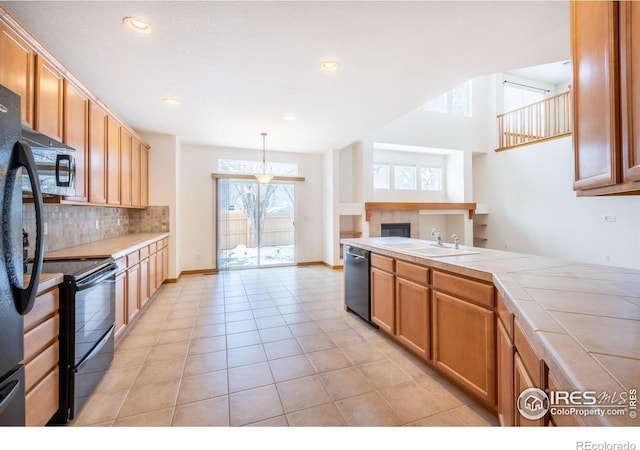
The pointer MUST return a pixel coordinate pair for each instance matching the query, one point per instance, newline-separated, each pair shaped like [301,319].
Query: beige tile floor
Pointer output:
[269,347]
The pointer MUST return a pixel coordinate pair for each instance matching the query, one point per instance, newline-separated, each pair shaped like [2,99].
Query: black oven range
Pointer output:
[87,318]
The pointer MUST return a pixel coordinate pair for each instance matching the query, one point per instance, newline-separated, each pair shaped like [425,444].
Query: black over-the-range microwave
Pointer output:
[55,163]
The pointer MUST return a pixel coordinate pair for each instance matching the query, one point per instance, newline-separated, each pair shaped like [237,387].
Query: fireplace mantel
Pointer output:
[369,207]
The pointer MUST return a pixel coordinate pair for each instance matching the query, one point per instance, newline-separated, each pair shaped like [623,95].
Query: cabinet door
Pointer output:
[113,162]
[125,168]
[135,172]
[49,95]
[121,295]
[75,117]
[144,176]
[16,70]
[504,357]
[153,273]
[159,266]
[594,35]
[133,291]
[412,316]
[382,300]
[630,88]
[144,282]
[165,264]
[522,381]
[97,154]
[464,344]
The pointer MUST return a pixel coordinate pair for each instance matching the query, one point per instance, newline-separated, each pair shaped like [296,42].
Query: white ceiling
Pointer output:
[240,67]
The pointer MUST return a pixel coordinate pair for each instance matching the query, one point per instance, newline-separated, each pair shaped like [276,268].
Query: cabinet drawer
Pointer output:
[41,365]
[42,402]
[39,337]
[463,287]
[153,247]
[121,263]
[382,262]
[504,314]
[46,305]
[412,272]
[133,258]
[528,355]
[165,242]
[144,253]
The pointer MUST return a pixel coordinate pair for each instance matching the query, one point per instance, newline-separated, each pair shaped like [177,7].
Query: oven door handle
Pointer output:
[95,282]
[98,347]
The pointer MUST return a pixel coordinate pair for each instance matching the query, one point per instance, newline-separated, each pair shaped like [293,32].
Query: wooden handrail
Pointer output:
[545,119]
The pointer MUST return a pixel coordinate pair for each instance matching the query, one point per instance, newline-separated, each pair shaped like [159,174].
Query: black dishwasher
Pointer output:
[357,281]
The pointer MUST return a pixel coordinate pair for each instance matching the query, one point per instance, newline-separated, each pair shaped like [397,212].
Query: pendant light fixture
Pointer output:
[264,177]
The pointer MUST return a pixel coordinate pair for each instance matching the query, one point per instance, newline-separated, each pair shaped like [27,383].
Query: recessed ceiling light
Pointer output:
[171,101]
[138,25]
[329,65]
[290,118]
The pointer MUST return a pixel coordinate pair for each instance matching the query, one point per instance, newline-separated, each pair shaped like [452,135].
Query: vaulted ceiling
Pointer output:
[239,68]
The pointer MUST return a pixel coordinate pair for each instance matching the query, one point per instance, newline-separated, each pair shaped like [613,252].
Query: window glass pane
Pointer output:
[461,101]
[515,97]
[380,176]
[404,177]
[431,179]
[438,104]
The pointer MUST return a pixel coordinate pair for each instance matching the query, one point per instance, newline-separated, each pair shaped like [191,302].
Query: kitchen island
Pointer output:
[498,322]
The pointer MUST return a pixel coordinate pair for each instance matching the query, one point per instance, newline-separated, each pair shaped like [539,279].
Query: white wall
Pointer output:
[533,208]
[329,218]
[164,189]
[198,202]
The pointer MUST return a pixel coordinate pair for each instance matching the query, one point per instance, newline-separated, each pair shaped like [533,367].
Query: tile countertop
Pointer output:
[47,281]
[583,319]
[114,247]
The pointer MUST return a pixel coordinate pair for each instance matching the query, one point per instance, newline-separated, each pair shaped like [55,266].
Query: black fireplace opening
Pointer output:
[396,229]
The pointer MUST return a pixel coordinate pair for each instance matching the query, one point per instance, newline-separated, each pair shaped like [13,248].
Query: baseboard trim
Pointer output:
[198,272]
[310,263]
[339,267]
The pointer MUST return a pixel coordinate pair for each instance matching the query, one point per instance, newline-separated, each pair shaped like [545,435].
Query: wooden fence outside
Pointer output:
[234,226]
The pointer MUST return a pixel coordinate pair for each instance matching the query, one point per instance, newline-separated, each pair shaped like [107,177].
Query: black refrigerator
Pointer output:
[15,300]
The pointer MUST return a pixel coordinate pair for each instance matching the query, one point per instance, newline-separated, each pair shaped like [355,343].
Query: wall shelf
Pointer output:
[369,207]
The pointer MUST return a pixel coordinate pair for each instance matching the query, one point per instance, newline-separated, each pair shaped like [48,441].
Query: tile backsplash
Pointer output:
[70,225]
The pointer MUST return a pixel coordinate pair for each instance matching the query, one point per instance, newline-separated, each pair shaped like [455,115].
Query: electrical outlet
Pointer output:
[46,228]
[118,221]
[610,218]
[97,224]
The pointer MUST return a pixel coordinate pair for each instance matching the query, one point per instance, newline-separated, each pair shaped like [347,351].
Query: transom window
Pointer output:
[252,167]
[406,177]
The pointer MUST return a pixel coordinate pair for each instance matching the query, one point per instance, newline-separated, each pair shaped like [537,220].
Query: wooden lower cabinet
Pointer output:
[41,357]
[464,344]
[412,316]
[133,291]
[521,381]
[504,357]
[143,282]
[153,274]
[121,302]
[383,299]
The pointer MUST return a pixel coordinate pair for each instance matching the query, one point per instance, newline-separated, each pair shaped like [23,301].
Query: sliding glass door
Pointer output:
[255,223]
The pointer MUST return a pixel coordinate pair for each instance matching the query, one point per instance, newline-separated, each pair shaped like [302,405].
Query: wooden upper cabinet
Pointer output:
[136,147]
[75,132]
[605,98]
[113,161]
[17,70]
[48,99]
[144,176]
[630,89]
[97,154]
[126,175]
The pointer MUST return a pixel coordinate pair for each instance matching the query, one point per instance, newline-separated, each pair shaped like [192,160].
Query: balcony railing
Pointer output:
[547,119]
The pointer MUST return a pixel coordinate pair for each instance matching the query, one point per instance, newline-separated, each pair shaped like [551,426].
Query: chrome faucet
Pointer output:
[436,234]
[456,240]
